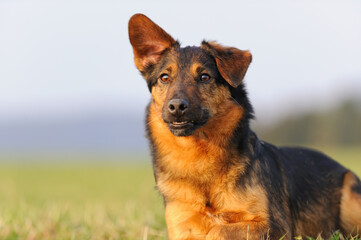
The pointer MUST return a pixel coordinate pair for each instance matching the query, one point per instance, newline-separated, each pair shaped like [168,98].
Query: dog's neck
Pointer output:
[209,149]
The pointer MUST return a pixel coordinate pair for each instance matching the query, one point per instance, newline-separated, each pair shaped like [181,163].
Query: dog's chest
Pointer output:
[219,201]
[206,180]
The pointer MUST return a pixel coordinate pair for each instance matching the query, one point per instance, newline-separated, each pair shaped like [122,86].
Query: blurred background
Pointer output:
[72,103]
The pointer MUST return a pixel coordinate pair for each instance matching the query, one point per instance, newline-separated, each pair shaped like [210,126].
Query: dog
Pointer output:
[217,179]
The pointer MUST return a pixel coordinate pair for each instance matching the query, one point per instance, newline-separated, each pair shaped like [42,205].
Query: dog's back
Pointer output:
[314,182]
[302,184]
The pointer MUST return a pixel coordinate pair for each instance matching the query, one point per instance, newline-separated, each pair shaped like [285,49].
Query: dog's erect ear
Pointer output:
[232,63]
[149,41]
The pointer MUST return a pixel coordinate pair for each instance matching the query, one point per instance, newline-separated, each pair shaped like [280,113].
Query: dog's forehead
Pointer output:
[190,55]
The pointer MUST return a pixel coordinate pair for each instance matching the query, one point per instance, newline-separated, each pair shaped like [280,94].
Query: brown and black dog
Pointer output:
[218,180]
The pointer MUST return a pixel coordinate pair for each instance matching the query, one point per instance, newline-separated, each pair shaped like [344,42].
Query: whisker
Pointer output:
[235,101]
[149,122]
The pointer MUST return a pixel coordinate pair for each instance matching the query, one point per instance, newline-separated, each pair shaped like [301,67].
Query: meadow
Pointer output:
[92,199]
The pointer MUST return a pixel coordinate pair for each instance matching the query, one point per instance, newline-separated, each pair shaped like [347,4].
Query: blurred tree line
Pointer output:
[338,126]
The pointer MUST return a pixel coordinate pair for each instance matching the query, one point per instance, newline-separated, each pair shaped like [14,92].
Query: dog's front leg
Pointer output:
[186,222]
[239,231]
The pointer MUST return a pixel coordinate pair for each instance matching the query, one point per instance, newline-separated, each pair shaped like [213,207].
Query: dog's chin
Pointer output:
[183,129]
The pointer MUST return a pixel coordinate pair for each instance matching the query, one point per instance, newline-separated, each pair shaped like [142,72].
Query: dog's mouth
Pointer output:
[184,128]
[183,124]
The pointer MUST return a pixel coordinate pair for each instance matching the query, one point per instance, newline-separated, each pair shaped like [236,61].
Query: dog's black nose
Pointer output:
[178,106]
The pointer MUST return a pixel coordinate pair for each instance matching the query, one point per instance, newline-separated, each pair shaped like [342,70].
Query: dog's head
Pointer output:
[189,85]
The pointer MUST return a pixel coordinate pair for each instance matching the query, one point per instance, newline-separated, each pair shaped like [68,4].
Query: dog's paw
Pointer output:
[232,232]
[217,233]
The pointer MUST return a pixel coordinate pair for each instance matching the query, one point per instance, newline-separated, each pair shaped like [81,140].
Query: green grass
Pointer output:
[350,157]
[79,202]
[92,201]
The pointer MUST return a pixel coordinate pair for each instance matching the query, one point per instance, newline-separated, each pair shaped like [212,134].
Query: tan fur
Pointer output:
[199,189]
[350,208]
[195,68]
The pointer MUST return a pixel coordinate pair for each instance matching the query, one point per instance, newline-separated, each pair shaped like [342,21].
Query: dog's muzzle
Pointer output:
[183,119]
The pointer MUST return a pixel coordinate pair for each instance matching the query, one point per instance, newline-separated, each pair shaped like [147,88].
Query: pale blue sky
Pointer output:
[68,57]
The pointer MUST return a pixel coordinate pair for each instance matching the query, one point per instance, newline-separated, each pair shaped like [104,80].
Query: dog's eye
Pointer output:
[164,78]
[205,77]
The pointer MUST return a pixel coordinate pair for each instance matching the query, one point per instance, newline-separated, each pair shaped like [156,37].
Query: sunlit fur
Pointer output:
[350,212]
